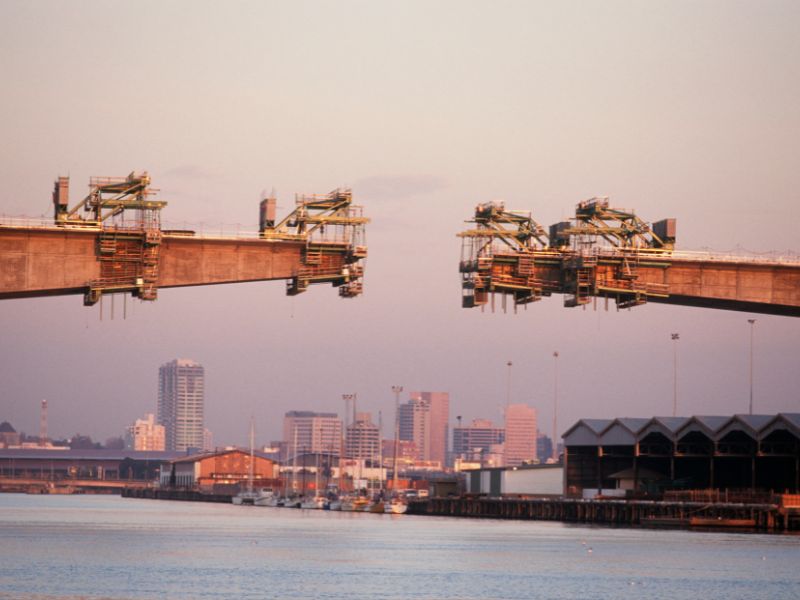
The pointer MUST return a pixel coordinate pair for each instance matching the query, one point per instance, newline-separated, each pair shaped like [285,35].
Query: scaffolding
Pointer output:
[128,221]
[499,256]
[332,231]
[127,218]
[598,253]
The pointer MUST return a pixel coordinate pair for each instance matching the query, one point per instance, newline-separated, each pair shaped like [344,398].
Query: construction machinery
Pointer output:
[611,253]
[112,242]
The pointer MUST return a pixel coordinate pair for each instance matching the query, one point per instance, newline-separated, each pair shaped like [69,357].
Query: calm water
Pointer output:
[109,547]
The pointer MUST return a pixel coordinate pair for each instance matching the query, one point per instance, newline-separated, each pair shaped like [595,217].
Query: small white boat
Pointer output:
[314,502]
[293,502]
[246,497]
[266,497]
[395,506]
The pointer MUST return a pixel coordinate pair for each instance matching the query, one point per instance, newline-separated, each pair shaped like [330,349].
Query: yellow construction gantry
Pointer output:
[596,254]
[321,241]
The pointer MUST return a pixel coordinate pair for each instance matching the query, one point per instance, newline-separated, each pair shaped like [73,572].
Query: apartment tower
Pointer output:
[181,394]
[145,434]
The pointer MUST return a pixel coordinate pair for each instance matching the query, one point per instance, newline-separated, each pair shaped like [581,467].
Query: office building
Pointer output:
[520,444]
[478,437]
[181,395]
[544,447]
[424,420]
[415,426]
[363,438]
[312,432]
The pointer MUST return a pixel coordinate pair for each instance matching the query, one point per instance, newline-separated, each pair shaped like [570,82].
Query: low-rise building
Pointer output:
[524,480]
[221,472]
[641,456]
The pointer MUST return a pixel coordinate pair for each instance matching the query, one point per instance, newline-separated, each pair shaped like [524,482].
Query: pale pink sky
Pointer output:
[677,109]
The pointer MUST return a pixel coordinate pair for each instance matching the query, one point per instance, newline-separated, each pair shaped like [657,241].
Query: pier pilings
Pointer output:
[762,517]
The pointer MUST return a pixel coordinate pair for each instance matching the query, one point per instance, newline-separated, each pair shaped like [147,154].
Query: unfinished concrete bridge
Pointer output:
[113,242]
[611,254]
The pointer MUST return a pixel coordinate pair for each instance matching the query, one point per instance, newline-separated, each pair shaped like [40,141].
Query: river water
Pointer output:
[97,547]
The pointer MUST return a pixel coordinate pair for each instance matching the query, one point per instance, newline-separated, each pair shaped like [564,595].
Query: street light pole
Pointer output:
[345,434]
[508,384]
[752,327]
[554,449]
[675,338]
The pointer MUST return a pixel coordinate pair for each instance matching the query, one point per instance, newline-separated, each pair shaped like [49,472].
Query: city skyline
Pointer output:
[679,110]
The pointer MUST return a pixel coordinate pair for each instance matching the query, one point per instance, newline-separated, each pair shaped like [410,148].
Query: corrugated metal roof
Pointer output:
[793,418]
[713,425]
[596,425]
[87,454]
[202,455]
[672,424]
[712,422]
[634,424]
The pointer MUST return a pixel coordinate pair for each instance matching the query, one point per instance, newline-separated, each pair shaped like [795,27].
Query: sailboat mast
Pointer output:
[316,472]
[252,455]
[380,450]
[294,458]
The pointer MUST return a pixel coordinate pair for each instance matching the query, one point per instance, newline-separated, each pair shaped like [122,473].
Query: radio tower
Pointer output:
[43,425]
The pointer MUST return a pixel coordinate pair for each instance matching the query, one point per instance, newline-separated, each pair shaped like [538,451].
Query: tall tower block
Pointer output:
[43,424]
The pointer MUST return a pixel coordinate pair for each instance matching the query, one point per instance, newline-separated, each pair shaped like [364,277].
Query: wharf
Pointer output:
[761,517]
[175,494]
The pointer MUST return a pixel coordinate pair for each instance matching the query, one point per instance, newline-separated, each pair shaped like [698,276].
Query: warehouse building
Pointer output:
[629,456]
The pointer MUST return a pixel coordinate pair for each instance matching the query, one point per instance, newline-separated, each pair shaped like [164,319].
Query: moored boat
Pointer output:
[313,502]
[395,506]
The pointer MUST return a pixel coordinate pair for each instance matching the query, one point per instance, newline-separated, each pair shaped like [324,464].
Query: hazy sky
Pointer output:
[677,109]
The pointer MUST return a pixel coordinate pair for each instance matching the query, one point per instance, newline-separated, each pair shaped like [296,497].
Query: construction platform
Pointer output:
[112,242]
[611,254]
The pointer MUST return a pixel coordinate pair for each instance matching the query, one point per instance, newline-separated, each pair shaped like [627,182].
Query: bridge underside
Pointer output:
[767,288]
[60,261]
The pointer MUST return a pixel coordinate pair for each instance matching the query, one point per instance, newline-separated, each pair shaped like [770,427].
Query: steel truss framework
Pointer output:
[596,254]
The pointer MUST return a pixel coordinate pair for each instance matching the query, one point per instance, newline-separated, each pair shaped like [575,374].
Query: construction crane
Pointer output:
[112,242]
[611,253]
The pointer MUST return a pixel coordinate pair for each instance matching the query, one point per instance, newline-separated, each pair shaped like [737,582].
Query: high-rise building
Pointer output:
[145,434]
[424,419]
[312,432]
[544,446]
[415,426]
[520,444]
[478,437]
[181,393]
[363,438]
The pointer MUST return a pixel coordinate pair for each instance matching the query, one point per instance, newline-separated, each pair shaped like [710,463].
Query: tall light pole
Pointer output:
[347,398]
[508,384]
[554,448]
[752,327]
[675,338]
[397,389]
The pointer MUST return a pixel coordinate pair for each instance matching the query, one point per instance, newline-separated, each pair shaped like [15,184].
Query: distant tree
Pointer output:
[115,443]
[81,442]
